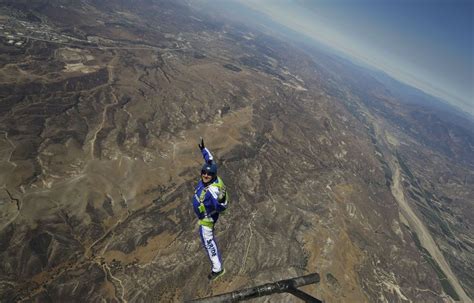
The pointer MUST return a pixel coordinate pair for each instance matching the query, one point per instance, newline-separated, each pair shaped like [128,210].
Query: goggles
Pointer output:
[205,172]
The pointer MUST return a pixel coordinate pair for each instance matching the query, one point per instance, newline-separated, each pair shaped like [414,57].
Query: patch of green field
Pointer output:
[404,167]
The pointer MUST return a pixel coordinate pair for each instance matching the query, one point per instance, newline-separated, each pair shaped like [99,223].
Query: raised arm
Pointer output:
[206,154]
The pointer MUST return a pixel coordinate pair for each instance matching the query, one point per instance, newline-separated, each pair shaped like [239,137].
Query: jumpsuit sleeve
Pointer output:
[206,154]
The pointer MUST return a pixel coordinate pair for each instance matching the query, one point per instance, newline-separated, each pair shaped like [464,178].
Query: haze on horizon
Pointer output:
[427,44]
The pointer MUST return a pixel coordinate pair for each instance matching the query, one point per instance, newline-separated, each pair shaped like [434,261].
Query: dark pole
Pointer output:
[289,285]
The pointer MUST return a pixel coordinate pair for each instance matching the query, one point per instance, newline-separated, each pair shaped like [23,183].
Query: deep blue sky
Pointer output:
[427,44]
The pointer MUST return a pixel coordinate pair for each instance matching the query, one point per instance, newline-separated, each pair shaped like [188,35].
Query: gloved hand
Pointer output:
[201,145]
[222,197]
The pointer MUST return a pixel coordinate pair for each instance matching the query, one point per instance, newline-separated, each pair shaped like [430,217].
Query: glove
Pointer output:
[201,145]
[222,198]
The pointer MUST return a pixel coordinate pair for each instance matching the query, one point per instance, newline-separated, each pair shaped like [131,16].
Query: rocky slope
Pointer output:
[102,105]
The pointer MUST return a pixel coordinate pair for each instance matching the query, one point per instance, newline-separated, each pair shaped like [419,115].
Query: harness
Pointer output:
[222,198]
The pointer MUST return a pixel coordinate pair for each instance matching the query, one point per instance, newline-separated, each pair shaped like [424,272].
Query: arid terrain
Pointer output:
[102,104]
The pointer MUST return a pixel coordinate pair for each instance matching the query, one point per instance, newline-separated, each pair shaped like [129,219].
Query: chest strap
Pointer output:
[207,221]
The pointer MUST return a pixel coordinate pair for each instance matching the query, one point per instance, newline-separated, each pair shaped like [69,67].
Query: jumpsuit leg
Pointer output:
[209,243]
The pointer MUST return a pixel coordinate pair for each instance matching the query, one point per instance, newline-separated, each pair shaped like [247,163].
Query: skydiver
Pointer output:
[209,200]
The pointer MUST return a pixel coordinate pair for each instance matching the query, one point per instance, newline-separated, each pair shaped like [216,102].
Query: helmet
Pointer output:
[211,169]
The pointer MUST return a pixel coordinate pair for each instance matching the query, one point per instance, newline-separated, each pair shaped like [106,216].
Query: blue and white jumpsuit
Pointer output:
[208,201]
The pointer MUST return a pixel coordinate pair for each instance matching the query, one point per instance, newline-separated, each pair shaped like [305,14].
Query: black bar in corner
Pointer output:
[289,285]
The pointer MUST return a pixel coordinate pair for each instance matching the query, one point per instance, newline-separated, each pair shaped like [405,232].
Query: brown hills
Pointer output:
[101,108]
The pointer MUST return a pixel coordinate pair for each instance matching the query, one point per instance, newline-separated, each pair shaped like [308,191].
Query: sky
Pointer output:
[425,43]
